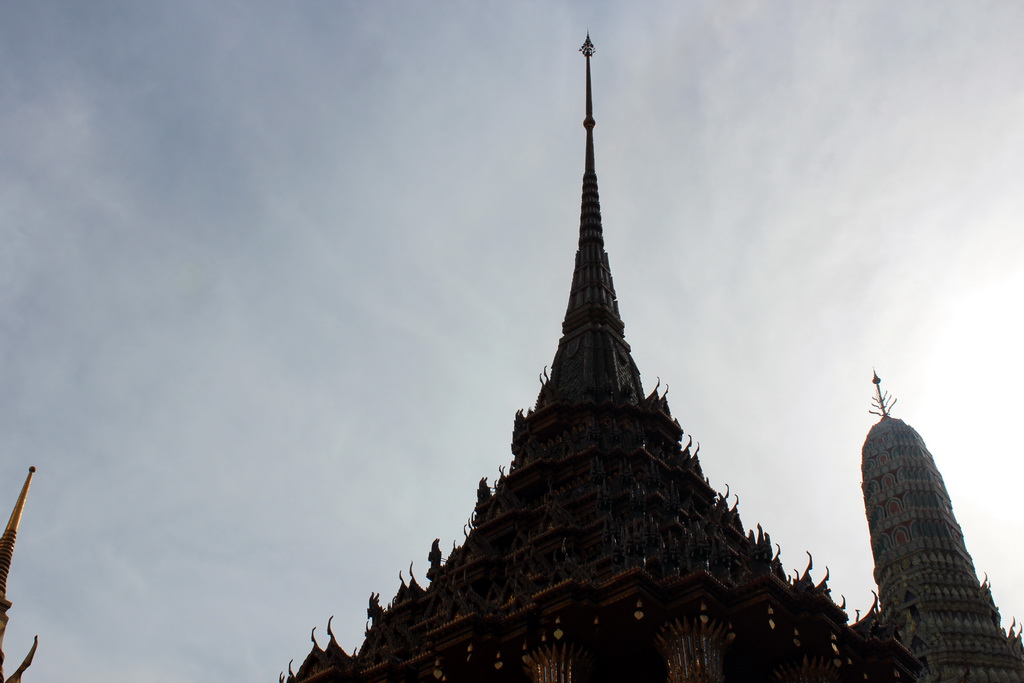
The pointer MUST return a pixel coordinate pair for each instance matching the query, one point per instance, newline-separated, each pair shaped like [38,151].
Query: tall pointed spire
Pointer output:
[593,360]
[11,533]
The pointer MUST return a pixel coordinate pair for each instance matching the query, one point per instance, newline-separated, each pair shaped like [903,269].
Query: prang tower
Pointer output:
[926,578]
[603,555]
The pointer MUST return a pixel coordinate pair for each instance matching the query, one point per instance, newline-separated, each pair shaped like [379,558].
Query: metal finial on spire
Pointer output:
[881,400]
[588,47]
[589,122]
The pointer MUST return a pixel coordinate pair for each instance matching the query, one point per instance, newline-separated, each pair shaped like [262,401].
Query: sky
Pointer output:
[276,276]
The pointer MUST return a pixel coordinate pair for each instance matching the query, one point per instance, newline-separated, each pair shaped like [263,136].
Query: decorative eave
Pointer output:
[765,614]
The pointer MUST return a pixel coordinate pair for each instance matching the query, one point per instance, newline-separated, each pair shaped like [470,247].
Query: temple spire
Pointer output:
[593,360]
[589,122]
[590,209]
[11,533]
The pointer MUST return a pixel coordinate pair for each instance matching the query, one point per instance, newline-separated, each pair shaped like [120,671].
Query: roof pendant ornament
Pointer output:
[882,401]
[6,555]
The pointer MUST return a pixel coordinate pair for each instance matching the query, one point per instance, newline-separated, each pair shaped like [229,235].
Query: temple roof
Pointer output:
[604,535]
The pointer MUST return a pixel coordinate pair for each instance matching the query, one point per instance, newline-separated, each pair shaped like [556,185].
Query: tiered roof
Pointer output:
[604,545]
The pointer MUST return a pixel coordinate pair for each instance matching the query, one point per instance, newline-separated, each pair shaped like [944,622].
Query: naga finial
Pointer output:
[881,400]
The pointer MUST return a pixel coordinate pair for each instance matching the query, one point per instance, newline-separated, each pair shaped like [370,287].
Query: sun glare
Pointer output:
[973,403]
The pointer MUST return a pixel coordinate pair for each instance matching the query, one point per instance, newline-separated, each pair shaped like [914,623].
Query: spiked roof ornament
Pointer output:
[881,400]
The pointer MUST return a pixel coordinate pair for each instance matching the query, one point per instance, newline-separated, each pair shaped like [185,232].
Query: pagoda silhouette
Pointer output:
[603,554]
[927,582]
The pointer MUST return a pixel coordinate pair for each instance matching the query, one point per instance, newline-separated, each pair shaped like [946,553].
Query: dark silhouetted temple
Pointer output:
[603,554]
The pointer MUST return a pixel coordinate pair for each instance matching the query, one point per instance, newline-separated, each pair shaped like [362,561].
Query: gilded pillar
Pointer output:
[694,651]
[559,664]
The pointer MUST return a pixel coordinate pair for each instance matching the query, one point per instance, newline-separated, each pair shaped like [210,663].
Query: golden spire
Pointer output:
[6,554]
[11,533]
